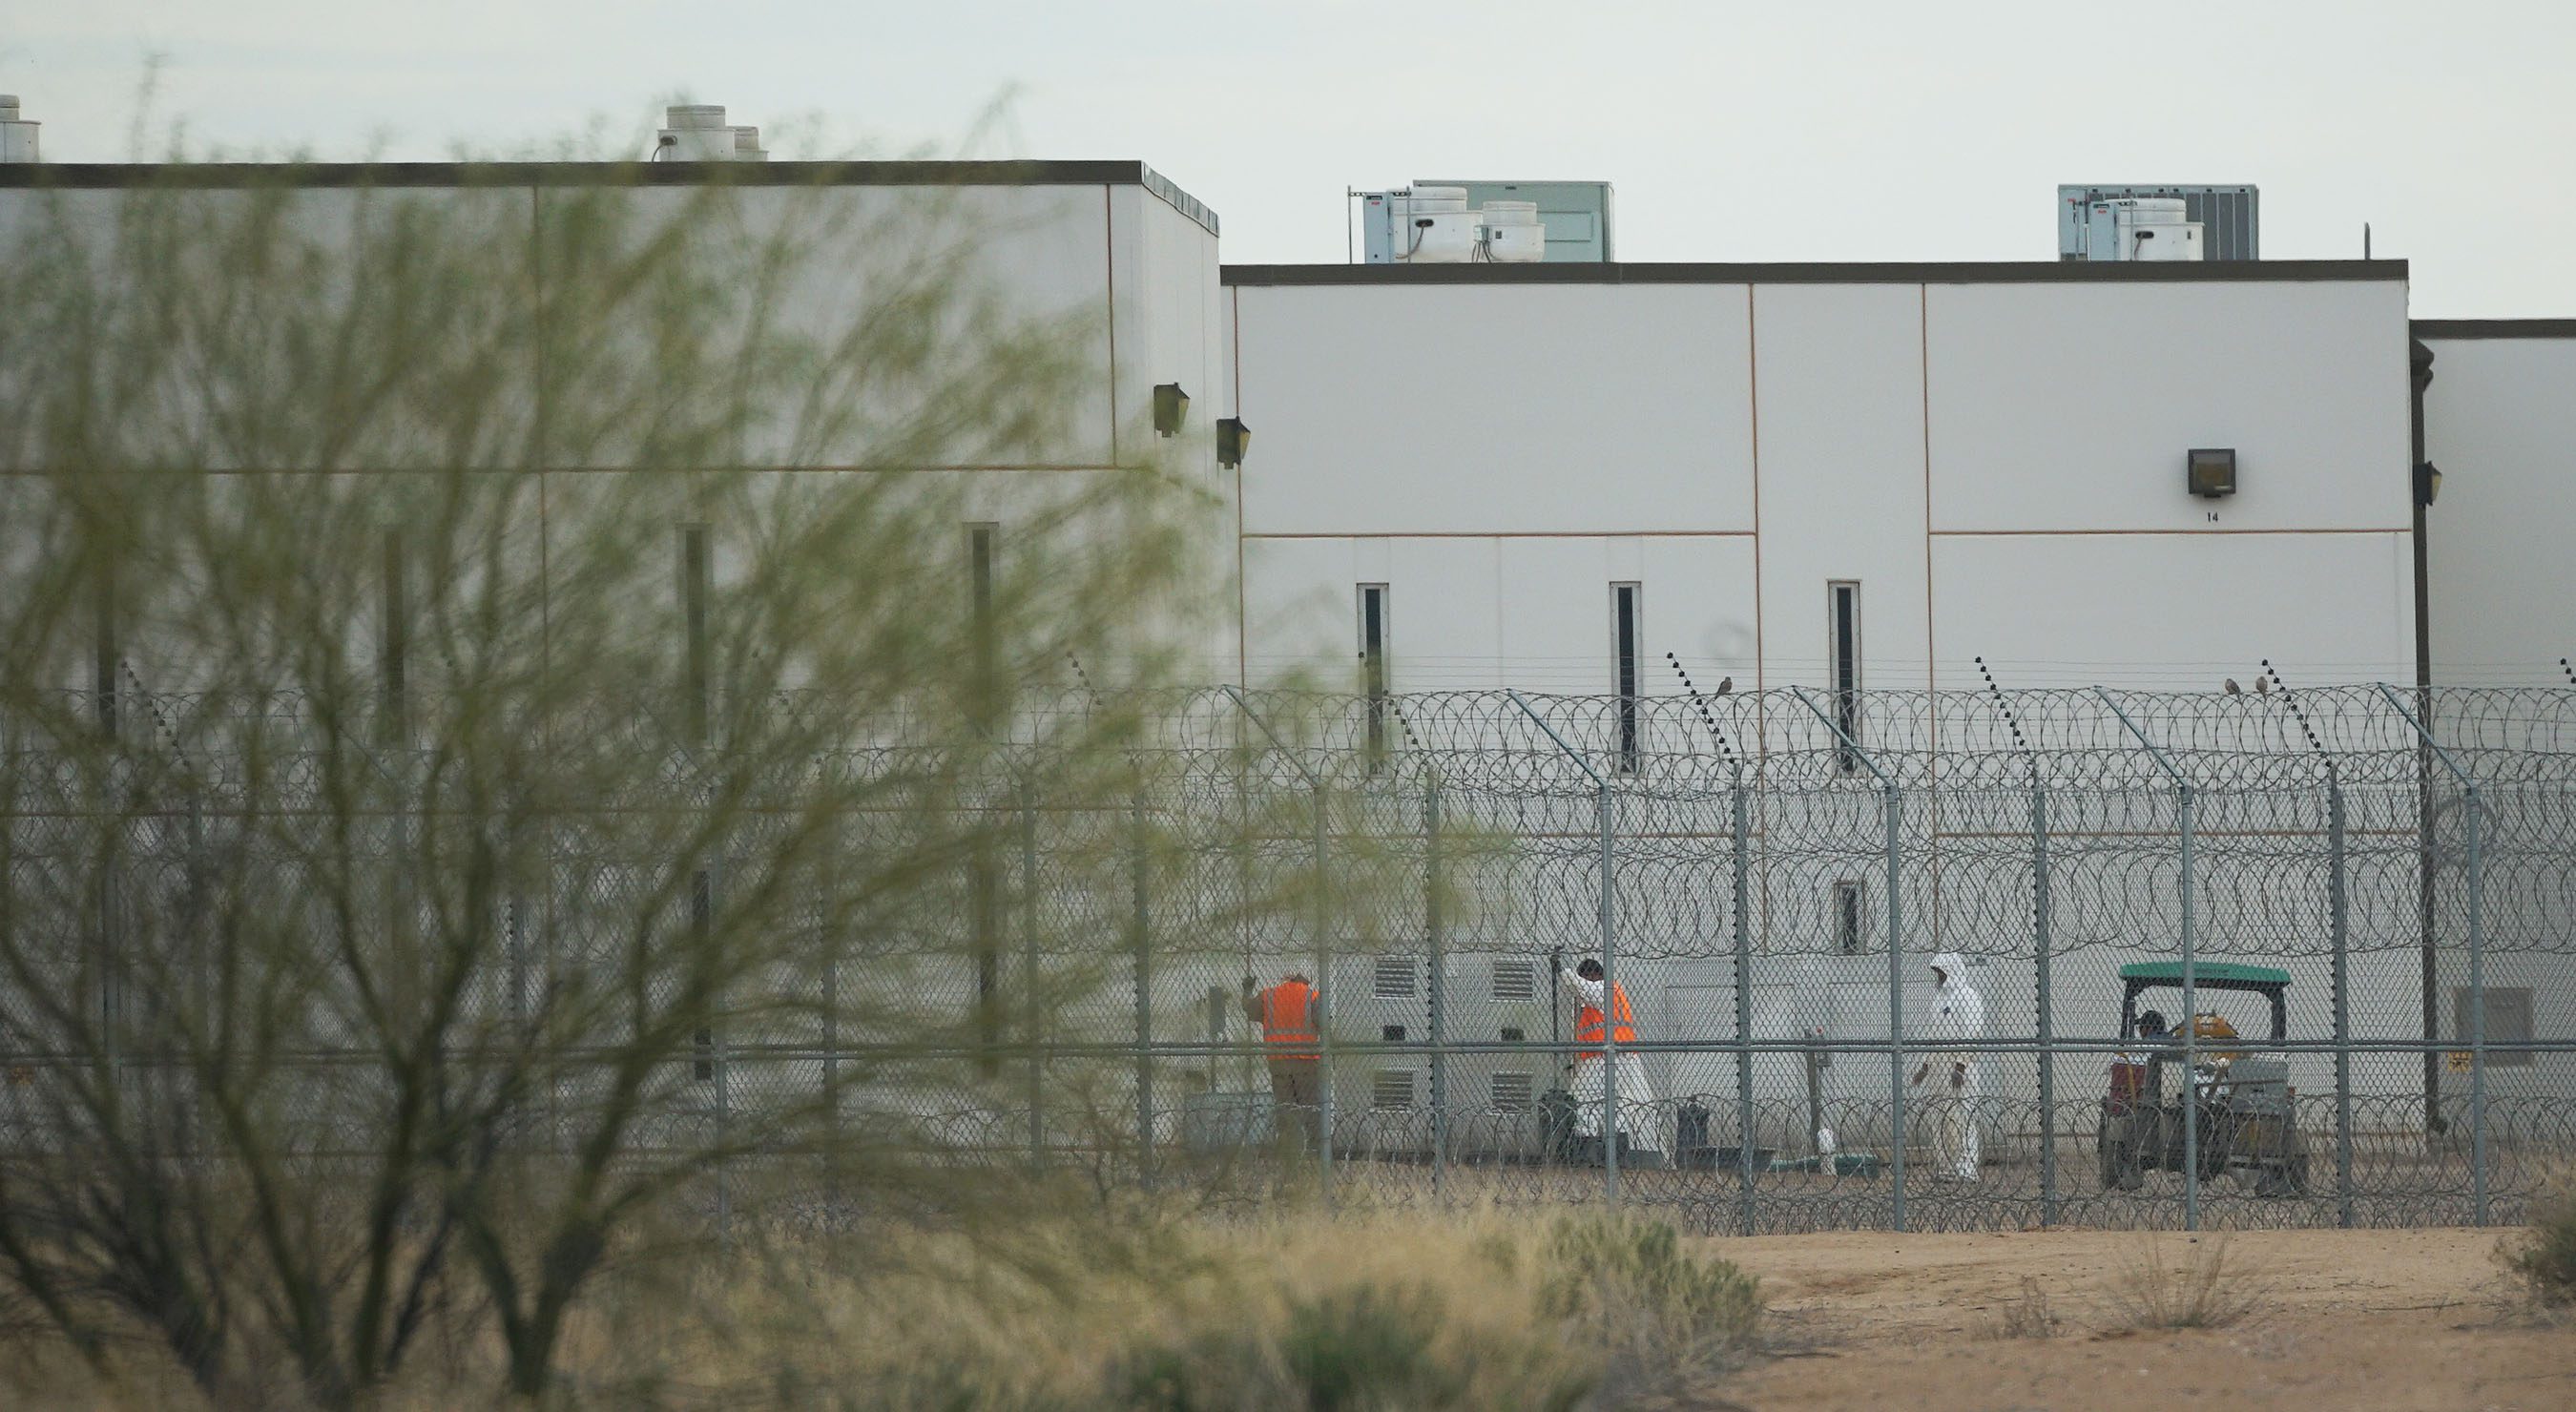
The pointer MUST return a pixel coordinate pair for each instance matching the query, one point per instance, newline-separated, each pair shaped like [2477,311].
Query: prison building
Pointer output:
[1846,508]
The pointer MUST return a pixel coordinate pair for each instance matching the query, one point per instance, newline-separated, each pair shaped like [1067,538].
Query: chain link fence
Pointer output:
[2271,958]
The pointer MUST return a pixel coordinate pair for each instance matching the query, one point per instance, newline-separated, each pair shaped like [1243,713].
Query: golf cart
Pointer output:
[2246,1115]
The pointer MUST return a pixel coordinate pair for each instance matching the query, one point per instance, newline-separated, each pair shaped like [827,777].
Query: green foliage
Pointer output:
[1627,1283]
[1365,1347]
[464,674]
[1356,1348]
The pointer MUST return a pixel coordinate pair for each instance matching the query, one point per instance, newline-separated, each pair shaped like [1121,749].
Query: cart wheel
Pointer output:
[2216,1139]
[2287,1177]
[2119,1158]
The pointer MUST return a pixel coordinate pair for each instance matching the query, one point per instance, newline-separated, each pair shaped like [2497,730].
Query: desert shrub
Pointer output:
[2544,1254]
[1626,1284]
[2204,1290]
[2029,1314]
[1346,1350]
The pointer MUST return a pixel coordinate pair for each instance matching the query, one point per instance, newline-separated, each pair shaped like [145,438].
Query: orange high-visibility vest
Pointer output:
[1284,1021]
[1587,1024]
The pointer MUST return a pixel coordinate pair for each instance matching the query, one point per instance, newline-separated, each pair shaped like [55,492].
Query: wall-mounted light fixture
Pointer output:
[2428,482]
[1231,437]
[2210,472]
[1171,407]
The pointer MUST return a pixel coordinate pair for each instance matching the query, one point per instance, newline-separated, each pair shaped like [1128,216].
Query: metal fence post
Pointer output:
[1140,940]
[2478,1174]
[2186,808]
[702,913]
[110,949]
[550,884]
[2477,952]
[1614,1119]
[2185,812]
[1611,1116]
[111,804]
[1893,808]
[1323,1002]
[1323,1021]
[2042,945]
[1032,1013]
[833,1142]
[2339,907]
[1434,925]
[1743,851]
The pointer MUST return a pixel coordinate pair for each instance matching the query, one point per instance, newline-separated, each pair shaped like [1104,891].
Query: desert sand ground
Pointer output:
[2348,1319]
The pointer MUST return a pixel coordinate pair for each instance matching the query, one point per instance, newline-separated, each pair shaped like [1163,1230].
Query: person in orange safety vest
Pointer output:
[1288,1014]
[1598,1016]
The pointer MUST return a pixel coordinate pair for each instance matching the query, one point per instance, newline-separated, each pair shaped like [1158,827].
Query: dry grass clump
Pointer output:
[2544,1254]
[1117,1312]
[1334,1315]
[2201,1290]
[2029,1314]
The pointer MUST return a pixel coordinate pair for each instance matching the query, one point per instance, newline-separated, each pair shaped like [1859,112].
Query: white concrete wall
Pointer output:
[1118,285]
[2065,550]
[1498,463]
[2066,406]
[1840,388]
[2000,465]
[1168,328]
[2500,420]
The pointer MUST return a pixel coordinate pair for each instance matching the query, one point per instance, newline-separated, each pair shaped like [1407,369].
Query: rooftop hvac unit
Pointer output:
[1430,224]
[1513,234]
[697,132]
[2147,228]
[2088,222]
[17,134]
[1575,214]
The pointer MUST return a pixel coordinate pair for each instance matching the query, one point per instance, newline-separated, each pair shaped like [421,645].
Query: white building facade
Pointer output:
[1107,261]
[1818,475]
[1846,478]
[1827,475]
[2500,422]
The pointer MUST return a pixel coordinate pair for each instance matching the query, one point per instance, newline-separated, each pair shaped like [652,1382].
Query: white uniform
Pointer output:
[1946,1098]
[1590,1083]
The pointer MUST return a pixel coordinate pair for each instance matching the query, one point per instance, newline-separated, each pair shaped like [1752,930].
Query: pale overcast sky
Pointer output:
[1780,131]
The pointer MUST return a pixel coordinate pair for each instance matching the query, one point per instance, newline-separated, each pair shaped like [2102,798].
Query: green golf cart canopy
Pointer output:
[2140,976]
[2223,975]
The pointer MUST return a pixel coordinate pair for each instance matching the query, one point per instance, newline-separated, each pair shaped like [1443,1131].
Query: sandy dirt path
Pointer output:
[2348,1319]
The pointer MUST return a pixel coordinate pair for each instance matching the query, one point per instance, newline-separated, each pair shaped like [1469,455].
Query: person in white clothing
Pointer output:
[1945,1080]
